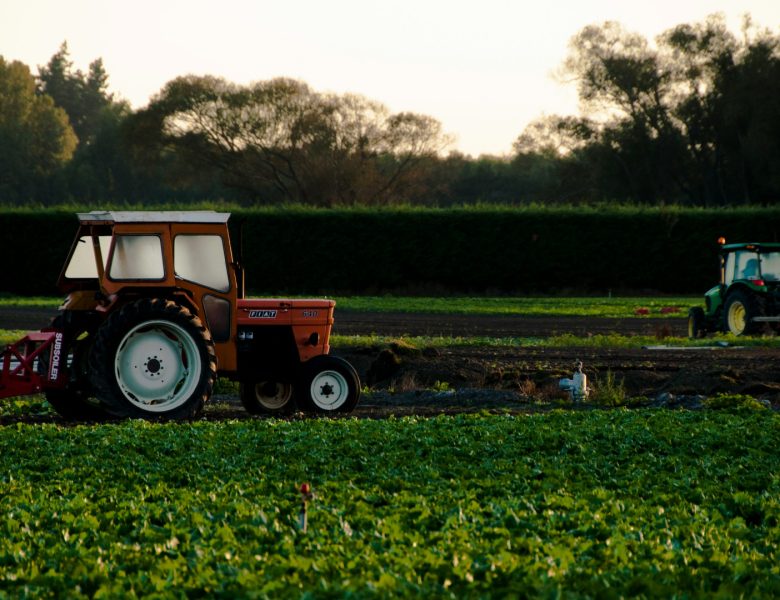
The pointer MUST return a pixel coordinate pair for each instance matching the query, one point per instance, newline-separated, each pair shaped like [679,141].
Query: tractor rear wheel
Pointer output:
[738,313]
[697,323]
[267,397]
[328,384]
[153,359]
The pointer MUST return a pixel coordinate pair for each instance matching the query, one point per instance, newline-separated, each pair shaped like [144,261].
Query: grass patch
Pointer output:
[11,301]
[528,307]
[412,345]
[620,308]
[8,336]
[558,341]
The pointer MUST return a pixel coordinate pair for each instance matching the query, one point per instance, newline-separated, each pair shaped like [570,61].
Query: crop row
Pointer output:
[597,503]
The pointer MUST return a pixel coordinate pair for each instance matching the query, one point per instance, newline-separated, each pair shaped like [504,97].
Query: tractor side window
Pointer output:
[746,265]
[82,262]
[137,257]
[201,259]
[770,266]
[729,269]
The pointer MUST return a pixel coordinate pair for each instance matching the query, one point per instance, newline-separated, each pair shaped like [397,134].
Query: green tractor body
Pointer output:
[747,299]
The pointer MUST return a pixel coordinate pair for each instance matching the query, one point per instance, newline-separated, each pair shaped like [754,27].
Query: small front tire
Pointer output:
[328,384]
[697,323]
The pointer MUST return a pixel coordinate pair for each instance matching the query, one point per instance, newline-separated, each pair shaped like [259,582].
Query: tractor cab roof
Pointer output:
[153,216]
[757,246]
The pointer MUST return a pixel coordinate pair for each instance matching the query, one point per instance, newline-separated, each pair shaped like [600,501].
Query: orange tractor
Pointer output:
[155,310]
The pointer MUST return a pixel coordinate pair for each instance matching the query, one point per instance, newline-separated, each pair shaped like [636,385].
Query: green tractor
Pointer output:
[748,295]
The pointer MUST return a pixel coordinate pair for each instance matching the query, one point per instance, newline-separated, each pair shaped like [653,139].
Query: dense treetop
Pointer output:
[692,118]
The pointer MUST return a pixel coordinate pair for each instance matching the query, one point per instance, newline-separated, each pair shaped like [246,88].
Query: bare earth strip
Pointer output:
[421,324]
[514,378]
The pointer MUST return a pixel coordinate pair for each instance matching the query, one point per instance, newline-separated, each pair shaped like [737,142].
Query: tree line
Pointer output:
[691,118]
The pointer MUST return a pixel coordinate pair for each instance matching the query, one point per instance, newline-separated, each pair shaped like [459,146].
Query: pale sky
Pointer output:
[483,68]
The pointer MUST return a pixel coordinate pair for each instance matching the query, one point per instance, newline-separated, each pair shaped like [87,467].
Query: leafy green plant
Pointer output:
[441,386]
[223,385]
[35,405]
[733,401]
[608,391]
[646,503]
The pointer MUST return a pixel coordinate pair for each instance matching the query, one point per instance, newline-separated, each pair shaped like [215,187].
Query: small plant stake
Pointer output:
[306,495]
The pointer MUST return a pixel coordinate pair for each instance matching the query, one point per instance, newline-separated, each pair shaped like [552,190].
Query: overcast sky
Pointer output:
[483,68]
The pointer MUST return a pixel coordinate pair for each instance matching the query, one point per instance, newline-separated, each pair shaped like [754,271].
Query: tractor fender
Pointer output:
[745,289]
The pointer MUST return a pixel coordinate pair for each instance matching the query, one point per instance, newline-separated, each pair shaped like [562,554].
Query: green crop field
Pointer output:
[578,503]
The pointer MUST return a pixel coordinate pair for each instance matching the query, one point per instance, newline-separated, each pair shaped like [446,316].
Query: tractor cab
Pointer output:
[748,295]
[756,265]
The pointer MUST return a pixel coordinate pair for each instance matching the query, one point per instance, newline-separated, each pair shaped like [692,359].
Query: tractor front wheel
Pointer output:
[267,397]
[153,359]
[328,384]
[739,311]
[697,323]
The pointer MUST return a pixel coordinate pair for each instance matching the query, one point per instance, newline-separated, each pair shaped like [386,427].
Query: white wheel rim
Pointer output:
[329,390]
[278,399]
[737,318]
[157,366]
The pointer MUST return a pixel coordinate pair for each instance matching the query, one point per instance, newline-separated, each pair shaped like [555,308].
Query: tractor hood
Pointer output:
[269,311]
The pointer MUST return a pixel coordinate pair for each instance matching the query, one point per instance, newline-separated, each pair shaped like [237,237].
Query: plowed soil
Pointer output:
[520,378]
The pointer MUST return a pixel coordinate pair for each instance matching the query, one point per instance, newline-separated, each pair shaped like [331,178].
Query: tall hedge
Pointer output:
[527,251]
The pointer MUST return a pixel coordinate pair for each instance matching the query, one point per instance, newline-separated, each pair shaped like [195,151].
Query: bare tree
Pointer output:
[279,139]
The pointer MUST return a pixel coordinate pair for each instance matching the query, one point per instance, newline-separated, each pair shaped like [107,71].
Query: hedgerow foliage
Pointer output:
[532,250]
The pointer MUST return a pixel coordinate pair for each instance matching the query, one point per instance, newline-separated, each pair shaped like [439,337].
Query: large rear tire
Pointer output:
[267,397]
[328,384]
[153,359]
[738,313]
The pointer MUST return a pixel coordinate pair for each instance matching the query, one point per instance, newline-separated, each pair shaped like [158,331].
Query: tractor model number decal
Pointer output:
[262,314]
[56,353]
[310,313]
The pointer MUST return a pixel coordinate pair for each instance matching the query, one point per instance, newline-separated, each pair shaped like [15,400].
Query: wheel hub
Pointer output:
[273,395]
[329,390]
[153,366]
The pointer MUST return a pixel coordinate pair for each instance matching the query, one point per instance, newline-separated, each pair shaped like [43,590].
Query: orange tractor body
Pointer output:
[155,309]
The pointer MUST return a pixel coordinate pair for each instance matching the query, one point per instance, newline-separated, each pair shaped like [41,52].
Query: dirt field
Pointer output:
[433,381]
